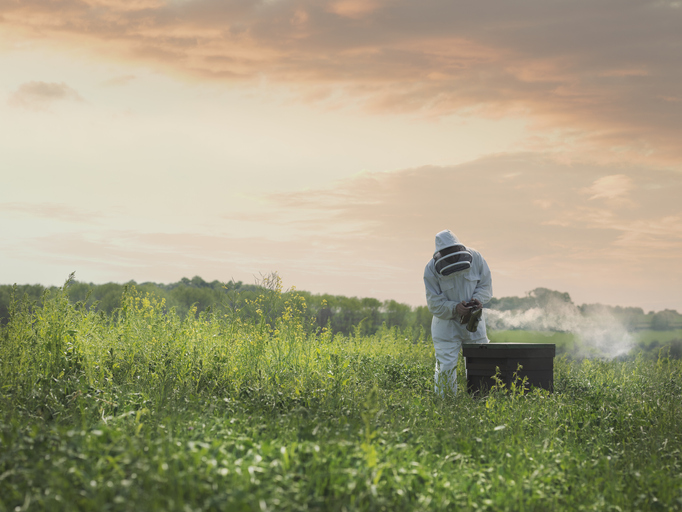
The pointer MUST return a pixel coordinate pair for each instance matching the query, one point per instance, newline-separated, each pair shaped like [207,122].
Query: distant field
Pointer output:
[648,336]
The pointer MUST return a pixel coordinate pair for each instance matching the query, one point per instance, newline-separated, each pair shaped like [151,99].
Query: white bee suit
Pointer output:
[443,293]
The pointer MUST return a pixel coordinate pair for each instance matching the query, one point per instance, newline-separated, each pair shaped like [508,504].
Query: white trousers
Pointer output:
[447,355]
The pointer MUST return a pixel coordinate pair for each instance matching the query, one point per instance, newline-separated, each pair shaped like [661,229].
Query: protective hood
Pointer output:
[445,239]
[450,255]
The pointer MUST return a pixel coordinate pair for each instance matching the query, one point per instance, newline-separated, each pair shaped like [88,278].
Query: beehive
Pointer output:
[482,360]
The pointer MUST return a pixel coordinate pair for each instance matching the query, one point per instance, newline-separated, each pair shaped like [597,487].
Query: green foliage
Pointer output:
[346,315]
[339,313]
[654,344]
[664,320]
[253,407]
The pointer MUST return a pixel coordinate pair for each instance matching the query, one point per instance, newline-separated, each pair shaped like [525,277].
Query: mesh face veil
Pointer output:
[452,259]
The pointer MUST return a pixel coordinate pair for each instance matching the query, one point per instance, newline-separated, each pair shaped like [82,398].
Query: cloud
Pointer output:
[533,191]
[545,204]
[529,215]
[119,81]
[51,211]
[354,9]
[615,188]
[599,76]
[41,95]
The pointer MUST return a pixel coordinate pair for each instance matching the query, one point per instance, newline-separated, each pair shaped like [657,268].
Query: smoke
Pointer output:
[597,335]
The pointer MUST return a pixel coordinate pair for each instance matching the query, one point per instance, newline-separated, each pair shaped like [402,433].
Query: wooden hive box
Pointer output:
[537,360]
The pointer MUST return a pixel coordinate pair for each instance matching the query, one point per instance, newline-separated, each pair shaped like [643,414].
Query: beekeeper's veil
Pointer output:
[450,256]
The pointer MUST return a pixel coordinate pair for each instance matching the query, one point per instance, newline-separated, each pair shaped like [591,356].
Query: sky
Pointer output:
[329,141]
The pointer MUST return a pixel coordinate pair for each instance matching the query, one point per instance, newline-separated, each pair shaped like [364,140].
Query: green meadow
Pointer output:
[145,409]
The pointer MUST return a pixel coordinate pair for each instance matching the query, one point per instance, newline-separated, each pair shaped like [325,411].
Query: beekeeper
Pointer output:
[458,283]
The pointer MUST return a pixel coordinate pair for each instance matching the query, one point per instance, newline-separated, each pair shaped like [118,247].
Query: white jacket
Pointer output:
[443,293]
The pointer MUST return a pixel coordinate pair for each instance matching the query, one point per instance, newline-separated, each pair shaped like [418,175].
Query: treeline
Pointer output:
[346,315]
[342,314]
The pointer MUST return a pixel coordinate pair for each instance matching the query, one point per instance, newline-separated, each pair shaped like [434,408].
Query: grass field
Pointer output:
[144,411]
[648,337]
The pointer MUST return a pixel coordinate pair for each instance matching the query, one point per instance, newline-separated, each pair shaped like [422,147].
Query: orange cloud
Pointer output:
[353,8]
[599,77]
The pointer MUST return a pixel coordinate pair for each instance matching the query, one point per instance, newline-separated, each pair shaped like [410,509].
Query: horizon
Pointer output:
[296,289]
[330,141]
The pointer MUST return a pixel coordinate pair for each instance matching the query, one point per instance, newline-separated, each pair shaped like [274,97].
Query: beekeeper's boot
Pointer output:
[474,318]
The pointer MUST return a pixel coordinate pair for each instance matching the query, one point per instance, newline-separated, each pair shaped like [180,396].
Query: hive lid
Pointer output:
[503,346]
[506,350]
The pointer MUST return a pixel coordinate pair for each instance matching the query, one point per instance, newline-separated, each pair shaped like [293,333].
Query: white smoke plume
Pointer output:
[599,334]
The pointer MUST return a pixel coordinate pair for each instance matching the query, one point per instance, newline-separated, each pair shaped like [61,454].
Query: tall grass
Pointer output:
[144,410]
[147,349]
